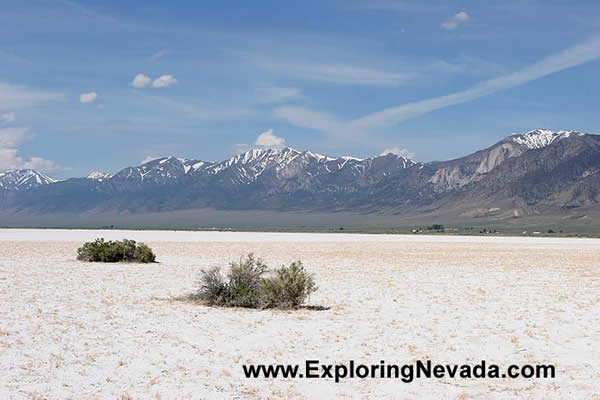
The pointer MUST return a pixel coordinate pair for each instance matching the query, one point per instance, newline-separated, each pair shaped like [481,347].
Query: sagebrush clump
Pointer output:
[245,279]
[250,284]
[289,287]
[115,251]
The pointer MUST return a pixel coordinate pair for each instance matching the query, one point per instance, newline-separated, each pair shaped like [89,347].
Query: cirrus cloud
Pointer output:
[159,54]
[15,96]
[270,95]
[570,57]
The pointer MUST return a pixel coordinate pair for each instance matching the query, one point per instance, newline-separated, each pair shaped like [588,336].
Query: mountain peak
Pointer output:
[254,161]
[17,179]
[540,138]
[161,170]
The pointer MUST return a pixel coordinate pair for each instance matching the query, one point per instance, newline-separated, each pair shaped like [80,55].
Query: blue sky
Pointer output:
[434,80]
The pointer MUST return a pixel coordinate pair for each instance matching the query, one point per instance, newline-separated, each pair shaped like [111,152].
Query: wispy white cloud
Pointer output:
[306,118]
[159,54]
[14,96]
[164,81]
[270,95]
[140,81]
[100,20]
[329,71]
[454,21]
[7,118]
[10,140]
[202,112]
[396,5]
[87,97]
[464,65]
[398,151]
[568,58]
[373,68]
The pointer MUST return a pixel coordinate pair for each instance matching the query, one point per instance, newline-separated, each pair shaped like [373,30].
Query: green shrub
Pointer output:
[213,288]
[144,254]
[244,281]
[245,286]
[288,288]
[115,251]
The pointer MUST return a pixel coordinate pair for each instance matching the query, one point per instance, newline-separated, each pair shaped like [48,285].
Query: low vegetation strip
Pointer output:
[115,251]
[251,284]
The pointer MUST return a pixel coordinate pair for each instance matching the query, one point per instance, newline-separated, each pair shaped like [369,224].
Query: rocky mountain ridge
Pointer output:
[525,172]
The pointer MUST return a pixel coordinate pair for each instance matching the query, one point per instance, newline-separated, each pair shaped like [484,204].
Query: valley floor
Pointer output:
[80,330]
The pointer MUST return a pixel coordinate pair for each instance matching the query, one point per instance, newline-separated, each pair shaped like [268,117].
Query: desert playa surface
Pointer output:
[70,329]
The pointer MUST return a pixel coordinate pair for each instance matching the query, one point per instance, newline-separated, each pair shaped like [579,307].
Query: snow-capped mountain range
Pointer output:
[529,168]
[247,167]
[21,179]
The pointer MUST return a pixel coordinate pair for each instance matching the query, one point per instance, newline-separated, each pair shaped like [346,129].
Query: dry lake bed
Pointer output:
[71,329]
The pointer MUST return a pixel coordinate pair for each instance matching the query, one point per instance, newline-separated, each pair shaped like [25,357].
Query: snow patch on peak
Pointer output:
[99,176]
[407,162]
[350,158]
[319,157]
[540,138]
[164,160]
[198,165]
